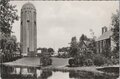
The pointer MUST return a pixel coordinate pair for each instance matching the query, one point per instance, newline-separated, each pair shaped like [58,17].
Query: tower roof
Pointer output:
[28,5]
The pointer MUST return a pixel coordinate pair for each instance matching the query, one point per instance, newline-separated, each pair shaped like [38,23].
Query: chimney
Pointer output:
[104,29]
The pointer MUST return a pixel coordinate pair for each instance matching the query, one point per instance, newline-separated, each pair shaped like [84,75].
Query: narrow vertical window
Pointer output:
[35,22]
[21,22]
[28,20]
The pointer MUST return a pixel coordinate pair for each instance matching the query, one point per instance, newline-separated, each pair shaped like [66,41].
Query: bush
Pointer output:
[50,62]
[88,62]
[63,56]
[46,61]
[9,57]
[71,62]
[115,61]
[99,60]
[78,61]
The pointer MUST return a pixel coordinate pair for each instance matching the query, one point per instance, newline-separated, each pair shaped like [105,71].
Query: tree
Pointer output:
[115,29]
[59,50]
[51,51]
[11,44]
[65,52]
[19,48]
[83,37]
[44,50]
[7,17]
[92,45]
[45,57]
[73,47]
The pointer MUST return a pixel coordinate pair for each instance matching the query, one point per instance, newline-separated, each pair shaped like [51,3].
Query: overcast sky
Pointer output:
[59,21]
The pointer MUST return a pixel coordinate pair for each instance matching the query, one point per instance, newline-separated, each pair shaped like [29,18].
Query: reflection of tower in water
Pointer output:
[28,29]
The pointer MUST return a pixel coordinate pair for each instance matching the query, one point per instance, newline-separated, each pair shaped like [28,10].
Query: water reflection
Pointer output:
[15,73]
[34,73]
[45,74]
[24,73]
[90,75]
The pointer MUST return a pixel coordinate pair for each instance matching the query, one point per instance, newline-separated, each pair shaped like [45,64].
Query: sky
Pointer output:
[59,21]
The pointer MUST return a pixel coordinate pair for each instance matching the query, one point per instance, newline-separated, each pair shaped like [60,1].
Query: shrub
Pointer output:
[71,62]
[99,60]
[63,55]
[115,61]
[50,62]
[88,62]
[46,61]
[78,61]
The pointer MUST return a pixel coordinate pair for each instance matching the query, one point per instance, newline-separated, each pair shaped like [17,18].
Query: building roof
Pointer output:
[105,35]
[28,5]
[84,44]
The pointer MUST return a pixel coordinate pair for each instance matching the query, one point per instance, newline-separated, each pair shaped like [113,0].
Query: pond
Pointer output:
[7,72]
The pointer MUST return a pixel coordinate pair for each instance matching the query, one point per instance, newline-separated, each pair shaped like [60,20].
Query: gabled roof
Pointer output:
[105,35]
[84,43]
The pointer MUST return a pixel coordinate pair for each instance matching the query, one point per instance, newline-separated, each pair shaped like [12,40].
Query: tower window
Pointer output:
[21,23]
[35,22]
[28,20]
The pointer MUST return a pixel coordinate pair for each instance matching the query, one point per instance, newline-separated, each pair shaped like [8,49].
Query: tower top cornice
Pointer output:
[28,5]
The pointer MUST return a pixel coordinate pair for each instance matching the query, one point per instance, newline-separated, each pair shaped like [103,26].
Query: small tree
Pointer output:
[73,47]
[92,46]
[51,51]
[45,57]
[7,17]
[83,37]
[115,36]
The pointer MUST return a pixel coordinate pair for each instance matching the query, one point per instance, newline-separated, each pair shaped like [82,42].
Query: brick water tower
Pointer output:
[28,30]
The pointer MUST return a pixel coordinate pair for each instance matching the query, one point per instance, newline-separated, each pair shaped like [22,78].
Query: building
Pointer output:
[105,42]
[84,45]
[28,29]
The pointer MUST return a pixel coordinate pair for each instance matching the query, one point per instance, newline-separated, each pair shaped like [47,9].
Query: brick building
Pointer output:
[105,41]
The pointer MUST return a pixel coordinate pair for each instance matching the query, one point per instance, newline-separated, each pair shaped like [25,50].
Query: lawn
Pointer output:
[35,62]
